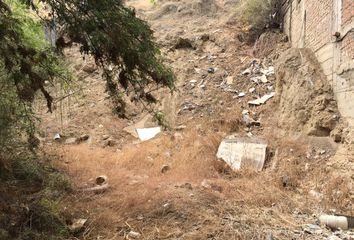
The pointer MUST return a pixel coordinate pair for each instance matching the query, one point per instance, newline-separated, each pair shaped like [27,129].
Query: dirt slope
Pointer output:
[198,197]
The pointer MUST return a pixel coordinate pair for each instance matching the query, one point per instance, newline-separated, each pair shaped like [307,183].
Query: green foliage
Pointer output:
[160,117]
[122,44]
[257,14]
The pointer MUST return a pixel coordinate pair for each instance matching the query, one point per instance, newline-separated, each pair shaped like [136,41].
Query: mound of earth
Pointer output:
[196,7]
[306,100]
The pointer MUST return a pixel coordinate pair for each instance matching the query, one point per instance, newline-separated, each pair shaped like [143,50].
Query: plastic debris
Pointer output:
[57,136]
[335,222]
[147,133]
[262,100]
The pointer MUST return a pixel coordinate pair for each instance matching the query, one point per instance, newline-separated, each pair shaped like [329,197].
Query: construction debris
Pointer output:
[148,133]
[249,121]
[262,100]
[243,152]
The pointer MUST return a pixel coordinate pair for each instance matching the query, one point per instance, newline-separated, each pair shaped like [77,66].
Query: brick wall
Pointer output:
[348,11]
[347,47]
[318,23]
[311,24]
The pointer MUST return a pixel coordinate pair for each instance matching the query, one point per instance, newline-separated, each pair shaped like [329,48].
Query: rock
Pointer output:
[183,43]
[134,235]
[249,122]
[312,229]
[105,137]
[71,141]
[165,168]
[229,80]
[211,70]
[83,138]
[90,68]
[77,224]
[252,90]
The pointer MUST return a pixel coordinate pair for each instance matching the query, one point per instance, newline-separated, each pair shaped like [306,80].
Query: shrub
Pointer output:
[257,14]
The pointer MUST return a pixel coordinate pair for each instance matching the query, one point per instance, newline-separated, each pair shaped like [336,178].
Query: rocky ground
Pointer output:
[173,186]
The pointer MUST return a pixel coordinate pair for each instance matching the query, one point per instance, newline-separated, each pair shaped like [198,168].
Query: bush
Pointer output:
[257,14]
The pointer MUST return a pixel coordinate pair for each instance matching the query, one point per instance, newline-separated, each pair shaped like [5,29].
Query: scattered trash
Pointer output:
[229,80]
[133,235]
[57,136]
[246,72]
[335,222]
[264,79]
[241,94]
[193,81]
[248,121]
[252,90]
[268,72]
[77,224]
[147,133]
[165,168]
[258,79]
[188,106]
[312,229]
[100,180]
[262,100]
[211,70]
[316,194]
[243,152]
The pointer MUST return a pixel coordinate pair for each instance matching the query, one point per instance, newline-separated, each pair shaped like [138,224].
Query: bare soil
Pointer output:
[198,197]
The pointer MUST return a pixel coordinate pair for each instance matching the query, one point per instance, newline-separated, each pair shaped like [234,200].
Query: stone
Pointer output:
[70,141]
[77,224]
[134,235]
[165,168]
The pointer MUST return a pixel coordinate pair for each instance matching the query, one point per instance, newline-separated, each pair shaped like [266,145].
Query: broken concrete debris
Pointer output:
[249,121]
[243,153]
[148,133]
[262,100]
